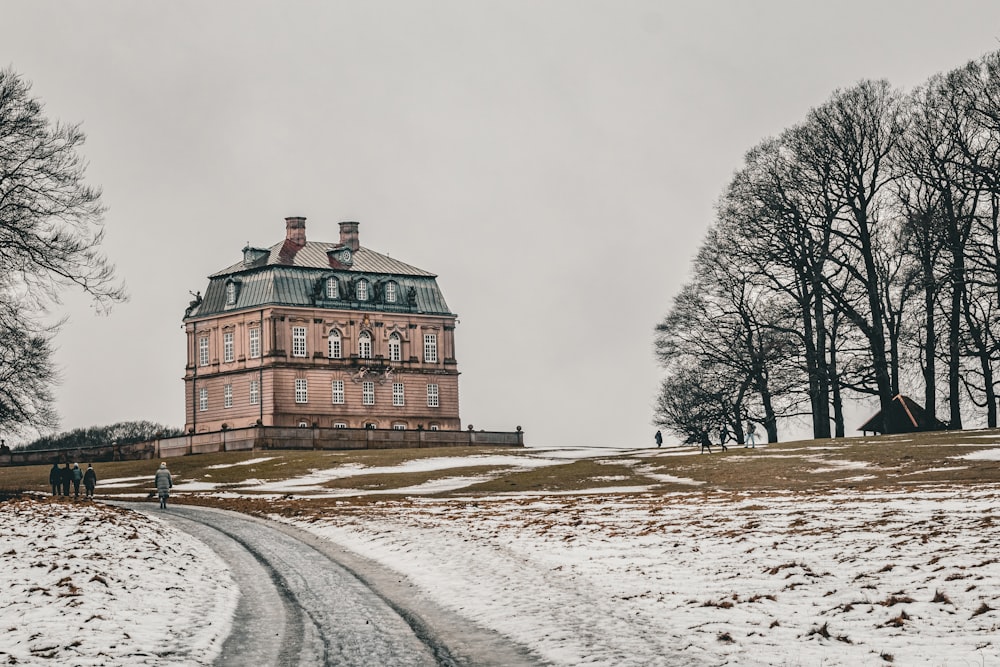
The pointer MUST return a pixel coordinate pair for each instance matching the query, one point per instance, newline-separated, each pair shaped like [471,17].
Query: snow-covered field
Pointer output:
[88,584]
[687,577]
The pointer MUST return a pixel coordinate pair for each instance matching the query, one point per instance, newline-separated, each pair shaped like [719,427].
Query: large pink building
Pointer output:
[310,333]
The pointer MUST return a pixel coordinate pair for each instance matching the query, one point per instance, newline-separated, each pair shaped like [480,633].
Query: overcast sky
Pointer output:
[555,163]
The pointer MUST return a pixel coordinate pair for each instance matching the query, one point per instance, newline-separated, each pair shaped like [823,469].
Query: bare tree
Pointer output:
[50,236]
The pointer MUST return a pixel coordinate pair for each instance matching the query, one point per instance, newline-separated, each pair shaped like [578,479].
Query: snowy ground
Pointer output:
[87,584]
[692,577]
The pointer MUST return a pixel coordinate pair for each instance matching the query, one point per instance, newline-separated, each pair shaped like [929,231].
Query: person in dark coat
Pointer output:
[659,438]
[77,478]
[65,477]
[55,478]
[163,484]
[90,480]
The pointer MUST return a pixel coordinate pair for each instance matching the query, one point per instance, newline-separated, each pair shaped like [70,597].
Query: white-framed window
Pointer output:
[203,399]
[368,393]
[390,292]
[333,346]
[298,341]
[227,396]
[332,288]
[399,427]
[435,427]
[431,348]
[339,424]
[203,351]
[364,345]
[303,423]
[397,394]
[371,425]
[337,390]
[361,290]
[227,346]
[254,342]
[254,392]
[301,390]
[433,399]
[231,293]
[395,347]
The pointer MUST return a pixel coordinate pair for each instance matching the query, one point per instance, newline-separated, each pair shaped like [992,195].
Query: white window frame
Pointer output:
[231,293]
[254,342]
[301,390]
[340,424]
[228,347]
[299,341]
[334,345]
[337,392]
[430,348]
[361,290]
[227,395]
[399,427]
[433,396]
[390,292]
[395,347]
[398,394]
[435,427]
[364,345]
[254,392]
[332,288]
[368,393]
[203,350]
[202,399]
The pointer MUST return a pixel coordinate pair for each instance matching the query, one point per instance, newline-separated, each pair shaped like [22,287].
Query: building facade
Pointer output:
[332,335]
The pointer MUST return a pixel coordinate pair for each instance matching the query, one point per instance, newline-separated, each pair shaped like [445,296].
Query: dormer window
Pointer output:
[390,292]
[332,288]
[232,292]
[361,290]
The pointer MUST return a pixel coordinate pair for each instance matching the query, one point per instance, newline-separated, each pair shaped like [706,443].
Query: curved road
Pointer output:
[305,601]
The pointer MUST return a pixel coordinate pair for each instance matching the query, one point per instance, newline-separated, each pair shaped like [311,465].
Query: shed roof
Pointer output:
[903,416]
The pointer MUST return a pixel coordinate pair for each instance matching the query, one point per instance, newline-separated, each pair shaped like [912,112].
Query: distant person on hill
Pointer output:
[751,436]
[77,478]
[55,478]
[723,437]
[163,484]
[705,443]
[90,480]
[65,478]
[659,438]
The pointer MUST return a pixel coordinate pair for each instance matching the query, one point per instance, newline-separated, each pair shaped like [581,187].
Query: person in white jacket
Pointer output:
[163,484]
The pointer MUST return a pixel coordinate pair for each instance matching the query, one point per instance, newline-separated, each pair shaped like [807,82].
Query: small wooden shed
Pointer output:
[904,416]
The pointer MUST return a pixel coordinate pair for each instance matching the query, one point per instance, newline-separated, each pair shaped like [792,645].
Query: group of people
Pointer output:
[60,480]
[750,438]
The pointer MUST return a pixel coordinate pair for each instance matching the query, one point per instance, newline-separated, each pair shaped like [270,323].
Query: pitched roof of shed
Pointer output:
[904,416]
[313,255]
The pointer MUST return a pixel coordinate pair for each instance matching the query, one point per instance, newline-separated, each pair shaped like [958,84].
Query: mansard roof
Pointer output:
[290,274]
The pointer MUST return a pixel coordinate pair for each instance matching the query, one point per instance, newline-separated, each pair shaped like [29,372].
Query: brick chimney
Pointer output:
[295,230]
[349,235]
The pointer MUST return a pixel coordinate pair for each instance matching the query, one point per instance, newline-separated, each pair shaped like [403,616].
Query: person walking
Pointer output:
[751,436]
[65,478]
[163,483]
[723,437]
[659,438]
[55,478]
[77,478]
[90,481]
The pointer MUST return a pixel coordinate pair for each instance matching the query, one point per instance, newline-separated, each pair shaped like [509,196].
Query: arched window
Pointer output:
[333,349]
[332,288]
[390,292]
[361,290]
[365,345]
[395,348]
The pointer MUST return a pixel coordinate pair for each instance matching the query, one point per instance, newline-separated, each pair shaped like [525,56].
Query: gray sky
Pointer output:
[555,163]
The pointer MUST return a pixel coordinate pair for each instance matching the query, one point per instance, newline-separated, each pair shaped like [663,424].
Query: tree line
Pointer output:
[856,254]
[122,433]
